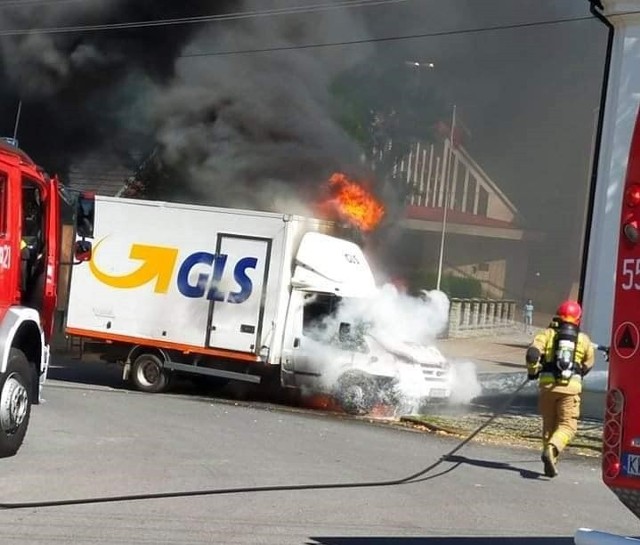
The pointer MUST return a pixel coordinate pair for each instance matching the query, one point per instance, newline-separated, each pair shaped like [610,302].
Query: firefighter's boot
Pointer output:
[549,459]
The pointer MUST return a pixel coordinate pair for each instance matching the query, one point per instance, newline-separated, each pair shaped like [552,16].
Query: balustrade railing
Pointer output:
[476,317]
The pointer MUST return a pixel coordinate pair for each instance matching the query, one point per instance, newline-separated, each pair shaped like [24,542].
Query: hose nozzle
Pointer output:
[602,348]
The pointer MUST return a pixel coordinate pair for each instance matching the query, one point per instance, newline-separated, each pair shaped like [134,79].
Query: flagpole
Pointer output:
[446,198]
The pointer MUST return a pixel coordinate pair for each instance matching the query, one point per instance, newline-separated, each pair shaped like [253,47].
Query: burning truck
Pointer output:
[240,295]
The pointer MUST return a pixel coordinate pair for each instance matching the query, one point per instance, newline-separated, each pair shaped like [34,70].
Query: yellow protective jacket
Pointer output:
[583,359]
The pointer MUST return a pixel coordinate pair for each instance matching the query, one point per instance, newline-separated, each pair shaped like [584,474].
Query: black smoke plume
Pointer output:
[251,130]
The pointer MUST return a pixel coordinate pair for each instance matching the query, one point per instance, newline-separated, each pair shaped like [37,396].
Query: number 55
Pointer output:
[629,271]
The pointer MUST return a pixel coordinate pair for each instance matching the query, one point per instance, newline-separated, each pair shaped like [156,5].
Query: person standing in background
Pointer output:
[528,316]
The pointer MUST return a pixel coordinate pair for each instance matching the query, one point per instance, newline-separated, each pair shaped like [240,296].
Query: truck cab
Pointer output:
[30,229]
[330,348]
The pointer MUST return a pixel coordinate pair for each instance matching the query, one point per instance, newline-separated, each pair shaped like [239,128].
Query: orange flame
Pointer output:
[355,203]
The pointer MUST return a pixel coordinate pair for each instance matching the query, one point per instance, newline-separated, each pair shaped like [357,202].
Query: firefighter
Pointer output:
[559,357]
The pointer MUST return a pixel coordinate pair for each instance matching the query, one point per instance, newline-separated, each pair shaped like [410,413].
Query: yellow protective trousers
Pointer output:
[560,412]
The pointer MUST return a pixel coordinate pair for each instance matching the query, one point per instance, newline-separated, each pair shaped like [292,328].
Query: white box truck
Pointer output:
[231,294]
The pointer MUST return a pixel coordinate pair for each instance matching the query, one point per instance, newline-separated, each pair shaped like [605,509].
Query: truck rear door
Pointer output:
[240,280]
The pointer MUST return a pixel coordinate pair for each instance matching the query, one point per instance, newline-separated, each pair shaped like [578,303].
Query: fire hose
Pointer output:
[419,476]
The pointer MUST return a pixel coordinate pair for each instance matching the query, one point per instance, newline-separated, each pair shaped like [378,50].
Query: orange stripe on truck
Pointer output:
[184,348]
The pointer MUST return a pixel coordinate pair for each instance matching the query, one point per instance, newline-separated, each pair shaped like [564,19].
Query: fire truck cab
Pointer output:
[612,282]
[30,237]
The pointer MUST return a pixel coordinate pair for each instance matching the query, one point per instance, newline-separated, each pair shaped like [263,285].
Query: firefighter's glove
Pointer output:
[533,370]
[532,356]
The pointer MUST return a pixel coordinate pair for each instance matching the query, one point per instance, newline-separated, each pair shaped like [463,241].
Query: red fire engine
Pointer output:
[617,145]
[621,432]
[621,436]
[30,239]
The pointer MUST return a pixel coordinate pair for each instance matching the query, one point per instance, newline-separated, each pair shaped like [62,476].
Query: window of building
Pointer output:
[471,194]
[483,202]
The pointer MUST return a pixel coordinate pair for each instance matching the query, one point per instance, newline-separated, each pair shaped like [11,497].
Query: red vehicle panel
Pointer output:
[621,437]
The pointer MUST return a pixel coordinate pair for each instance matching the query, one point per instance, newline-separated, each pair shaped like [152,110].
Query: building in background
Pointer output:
[484,241]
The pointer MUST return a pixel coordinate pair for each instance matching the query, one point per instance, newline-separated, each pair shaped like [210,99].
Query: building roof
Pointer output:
[103,175]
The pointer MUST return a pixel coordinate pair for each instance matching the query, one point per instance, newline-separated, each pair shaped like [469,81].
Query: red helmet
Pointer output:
[569,311]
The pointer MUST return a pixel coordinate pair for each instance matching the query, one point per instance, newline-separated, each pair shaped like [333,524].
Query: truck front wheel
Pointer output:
[149,375]
[356,392]
[15,403]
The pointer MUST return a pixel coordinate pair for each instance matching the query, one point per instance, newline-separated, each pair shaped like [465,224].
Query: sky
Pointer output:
[256,129]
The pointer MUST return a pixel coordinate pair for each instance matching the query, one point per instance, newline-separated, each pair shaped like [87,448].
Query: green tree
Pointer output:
[454,286]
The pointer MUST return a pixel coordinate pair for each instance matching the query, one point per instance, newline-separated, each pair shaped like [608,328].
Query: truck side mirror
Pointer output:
[85,215]
[82,251]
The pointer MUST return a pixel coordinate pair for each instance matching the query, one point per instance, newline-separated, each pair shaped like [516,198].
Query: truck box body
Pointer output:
[204,280]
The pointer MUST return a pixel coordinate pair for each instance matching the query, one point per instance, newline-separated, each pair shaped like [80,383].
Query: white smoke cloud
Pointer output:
[397,316]
[388,334]
[465,382]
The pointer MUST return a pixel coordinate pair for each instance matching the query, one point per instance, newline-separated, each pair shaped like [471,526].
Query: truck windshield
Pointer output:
[318,309]
[321,322]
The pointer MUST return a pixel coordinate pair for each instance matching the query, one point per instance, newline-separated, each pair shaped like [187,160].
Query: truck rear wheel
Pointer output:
[149,375]
[15,402]
[356,392]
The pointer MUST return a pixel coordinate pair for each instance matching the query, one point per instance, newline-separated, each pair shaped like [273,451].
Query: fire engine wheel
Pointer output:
[149,375]
[356,392]
[15,402]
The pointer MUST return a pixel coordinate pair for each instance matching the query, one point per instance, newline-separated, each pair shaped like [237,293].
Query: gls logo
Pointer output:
[209,282]
[159,263]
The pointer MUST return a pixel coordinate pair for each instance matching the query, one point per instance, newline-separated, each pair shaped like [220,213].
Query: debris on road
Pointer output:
[509,429]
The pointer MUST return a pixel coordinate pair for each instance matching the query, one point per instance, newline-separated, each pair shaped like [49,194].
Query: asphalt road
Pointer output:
[91,441]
